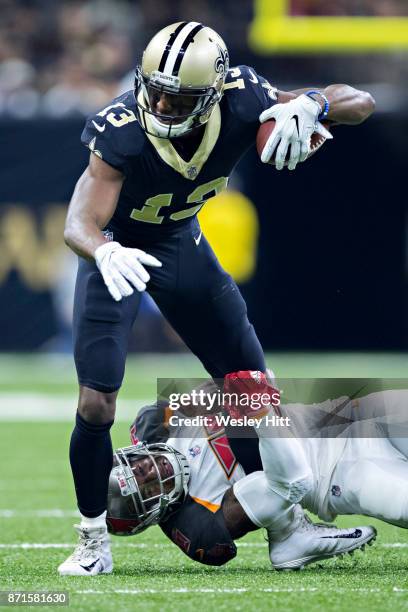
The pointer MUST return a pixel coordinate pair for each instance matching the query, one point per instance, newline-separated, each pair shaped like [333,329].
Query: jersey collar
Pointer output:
[191,169]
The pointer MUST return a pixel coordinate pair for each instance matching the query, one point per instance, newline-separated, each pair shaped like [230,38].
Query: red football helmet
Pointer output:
[145,480]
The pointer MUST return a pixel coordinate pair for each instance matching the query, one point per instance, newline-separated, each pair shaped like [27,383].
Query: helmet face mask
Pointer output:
[145,480]
[184,68]
[190,107]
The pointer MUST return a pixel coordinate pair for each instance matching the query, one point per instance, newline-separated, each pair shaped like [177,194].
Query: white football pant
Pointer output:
[371,478]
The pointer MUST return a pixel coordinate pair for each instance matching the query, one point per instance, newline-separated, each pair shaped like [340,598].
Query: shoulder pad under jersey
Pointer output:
[114,133]
[247,93]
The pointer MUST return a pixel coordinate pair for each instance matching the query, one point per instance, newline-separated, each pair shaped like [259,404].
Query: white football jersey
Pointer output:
[213,466]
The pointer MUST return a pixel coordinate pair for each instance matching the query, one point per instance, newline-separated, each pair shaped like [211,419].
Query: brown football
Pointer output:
[266,130]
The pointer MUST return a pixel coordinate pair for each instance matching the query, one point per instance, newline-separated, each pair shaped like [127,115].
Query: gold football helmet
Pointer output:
[181,79]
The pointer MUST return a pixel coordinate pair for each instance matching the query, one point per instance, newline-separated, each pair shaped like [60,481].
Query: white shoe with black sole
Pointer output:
[91,556]
[311,542]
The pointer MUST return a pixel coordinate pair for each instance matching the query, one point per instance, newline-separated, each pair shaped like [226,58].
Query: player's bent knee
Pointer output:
[96,407]
[293,491]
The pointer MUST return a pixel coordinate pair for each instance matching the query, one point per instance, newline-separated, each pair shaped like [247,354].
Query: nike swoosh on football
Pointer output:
[197,240]
[356,534]
[100,128]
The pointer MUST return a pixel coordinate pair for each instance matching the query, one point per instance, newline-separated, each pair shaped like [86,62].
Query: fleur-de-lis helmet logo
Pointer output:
[222,62]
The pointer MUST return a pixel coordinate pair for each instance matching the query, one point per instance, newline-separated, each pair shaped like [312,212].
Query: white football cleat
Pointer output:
[311,542]
[91,556]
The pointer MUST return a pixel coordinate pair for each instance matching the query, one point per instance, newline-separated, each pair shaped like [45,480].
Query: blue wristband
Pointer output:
[326,109]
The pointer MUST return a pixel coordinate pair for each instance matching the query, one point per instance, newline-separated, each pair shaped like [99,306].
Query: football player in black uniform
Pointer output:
[157,154]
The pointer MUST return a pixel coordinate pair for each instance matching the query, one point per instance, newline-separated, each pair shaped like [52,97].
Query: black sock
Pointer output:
[90,454]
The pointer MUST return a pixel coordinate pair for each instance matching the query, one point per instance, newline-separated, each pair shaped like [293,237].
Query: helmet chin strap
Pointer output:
[175,130]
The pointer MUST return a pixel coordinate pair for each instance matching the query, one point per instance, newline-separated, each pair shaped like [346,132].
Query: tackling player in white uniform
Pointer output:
[350,474]
[218,503]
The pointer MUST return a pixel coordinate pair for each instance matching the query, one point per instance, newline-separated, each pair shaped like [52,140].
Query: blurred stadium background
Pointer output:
[321,254]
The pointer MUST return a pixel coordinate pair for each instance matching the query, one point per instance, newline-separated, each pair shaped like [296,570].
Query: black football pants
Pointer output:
[198,298]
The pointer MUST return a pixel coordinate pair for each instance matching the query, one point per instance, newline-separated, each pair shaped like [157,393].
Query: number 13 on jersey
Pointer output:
[150,212]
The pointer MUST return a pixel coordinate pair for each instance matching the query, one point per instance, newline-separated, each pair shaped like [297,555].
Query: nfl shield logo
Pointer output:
[192,172]
[336,491]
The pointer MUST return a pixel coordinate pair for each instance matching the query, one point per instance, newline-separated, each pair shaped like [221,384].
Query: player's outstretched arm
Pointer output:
[298,113]
[92,206]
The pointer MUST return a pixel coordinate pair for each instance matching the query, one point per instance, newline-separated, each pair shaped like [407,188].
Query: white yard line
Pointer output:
[45,545]
[235,590]
[197,590]
[47,513]
[45,407]
[34,545]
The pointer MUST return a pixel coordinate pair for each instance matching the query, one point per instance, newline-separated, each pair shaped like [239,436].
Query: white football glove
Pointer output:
[292,132]
[119,264]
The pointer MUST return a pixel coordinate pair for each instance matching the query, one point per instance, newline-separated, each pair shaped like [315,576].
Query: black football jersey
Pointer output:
[161,189]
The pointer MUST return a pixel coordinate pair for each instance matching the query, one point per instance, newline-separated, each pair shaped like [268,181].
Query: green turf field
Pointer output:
[37,510]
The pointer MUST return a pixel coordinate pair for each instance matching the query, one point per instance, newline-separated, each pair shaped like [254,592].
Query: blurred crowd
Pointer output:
[70,57]
[64,58]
